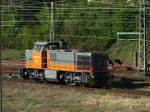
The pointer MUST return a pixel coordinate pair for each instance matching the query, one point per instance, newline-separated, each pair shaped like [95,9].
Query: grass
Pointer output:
[124,51]
[12,54]
[19,97]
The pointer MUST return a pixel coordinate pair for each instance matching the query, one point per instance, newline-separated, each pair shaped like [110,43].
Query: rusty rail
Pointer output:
[12,66]
[131,92]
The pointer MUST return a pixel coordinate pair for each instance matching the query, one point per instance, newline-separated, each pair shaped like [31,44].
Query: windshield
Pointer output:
[38,48]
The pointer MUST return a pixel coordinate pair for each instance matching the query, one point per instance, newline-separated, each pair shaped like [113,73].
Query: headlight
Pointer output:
[92,76]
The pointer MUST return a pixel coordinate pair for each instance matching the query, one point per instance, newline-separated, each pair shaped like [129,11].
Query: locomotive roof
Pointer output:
[79,52]
[41,43]
[46,43]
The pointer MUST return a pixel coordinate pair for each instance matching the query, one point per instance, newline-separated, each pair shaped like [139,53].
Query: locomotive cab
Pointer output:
[36,58]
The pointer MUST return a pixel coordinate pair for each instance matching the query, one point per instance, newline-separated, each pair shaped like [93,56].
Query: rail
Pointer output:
[12,66]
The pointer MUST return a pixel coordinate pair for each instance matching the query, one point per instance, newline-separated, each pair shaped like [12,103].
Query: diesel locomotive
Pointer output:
[52,61]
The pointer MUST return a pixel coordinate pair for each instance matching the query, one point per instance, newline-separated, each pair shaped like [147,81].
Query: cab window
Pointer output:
[46,47]
[38,48]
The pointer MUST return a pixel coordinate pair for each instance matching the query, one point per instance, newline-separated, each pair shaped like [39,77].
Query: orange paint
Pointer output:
[37,62]
[65,67]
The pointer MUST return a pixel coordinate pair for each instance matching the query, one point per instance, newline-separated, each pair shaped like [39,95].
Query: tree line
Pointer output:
[90,26]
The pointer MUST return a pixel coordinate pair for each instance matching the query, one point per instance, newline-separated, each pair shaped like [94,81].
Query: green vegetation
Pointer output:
[89,26]
[125,52]
[10,54]
[77,22]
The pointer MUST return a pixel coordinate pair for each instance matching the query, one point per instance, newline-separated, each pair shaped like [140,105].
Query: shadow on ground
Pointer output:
[129,84]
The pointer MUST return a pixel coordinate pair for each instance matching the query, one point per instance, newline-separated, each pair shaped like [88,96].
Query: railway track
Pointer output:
[12,66]
[131,92]
[15,66]
[143,78]
[115,91]
[12,62]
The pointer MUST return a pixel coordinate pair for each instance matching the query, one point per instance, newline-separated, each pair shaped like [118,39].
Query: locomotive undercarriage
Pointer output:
[71,78]
[68,78]
[33,74]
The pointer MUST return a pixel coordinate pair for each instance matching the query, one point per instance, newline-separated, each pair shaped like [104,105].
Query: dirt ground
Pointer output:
[26,97]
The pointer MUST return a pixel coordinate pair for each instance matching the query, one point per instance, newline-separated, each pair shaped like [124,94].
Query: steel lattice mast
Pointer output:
[144,37]
[51,37]
[141,64]
[147,36]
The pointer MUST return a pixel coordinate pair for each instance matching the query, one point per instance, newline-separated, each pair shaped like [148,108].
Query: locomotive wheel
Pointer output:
[91,82]
[41,76]
[25,75]
[61,77]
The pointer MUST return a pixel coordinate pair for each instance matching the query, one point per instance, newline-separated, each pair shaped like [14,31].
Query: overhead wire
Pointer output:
[86,27]
[27,6]
[78,14]
[91,2]
[118,6]
[74,8]
[72,20]
[79,36]
[95,8]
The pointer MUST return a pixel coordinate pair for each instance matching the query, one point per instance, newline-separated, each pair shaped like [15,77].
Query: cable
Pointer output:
[23,6]
[61,36]
[70,21]
[89,8]
[91,2]
[77,11]
[76,14]
[84,27]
